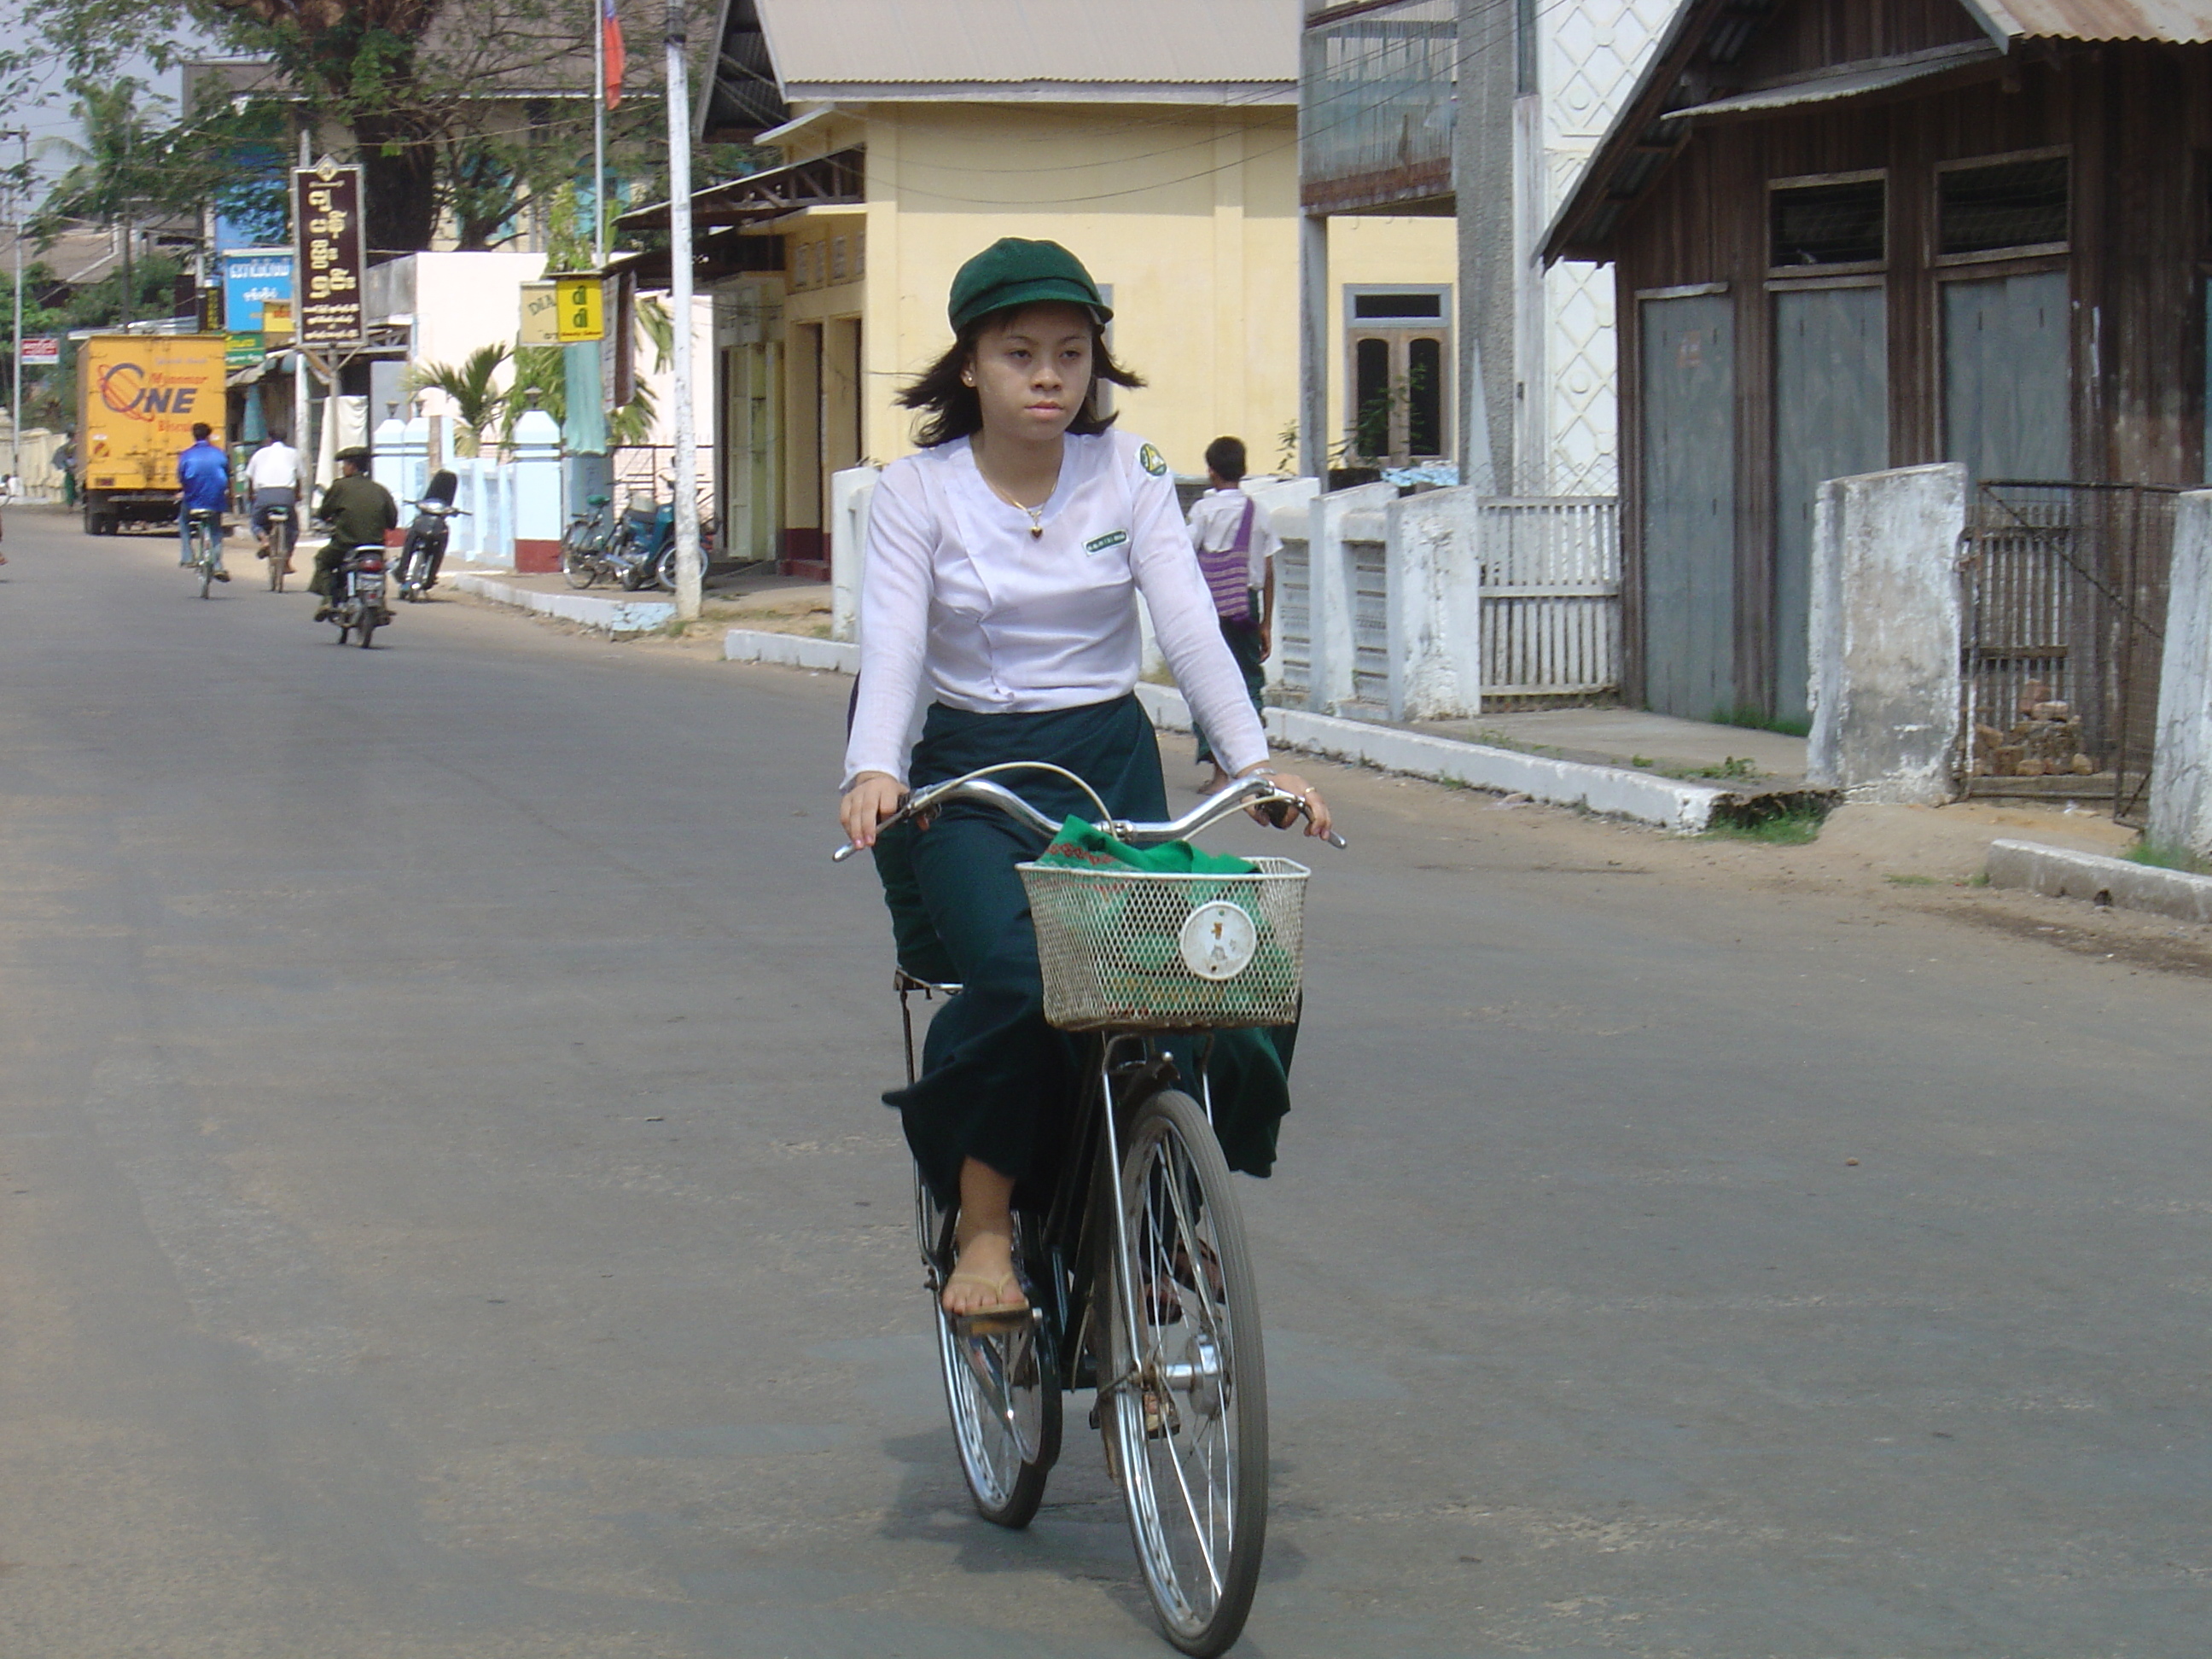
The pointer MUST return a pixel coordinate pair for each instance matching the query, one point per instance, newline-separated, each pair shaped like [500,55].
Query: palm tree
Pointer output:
[477,402]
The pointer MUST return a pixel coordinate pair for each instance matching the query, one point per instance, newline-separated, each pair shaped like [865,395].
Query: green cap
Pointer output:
[1013,272]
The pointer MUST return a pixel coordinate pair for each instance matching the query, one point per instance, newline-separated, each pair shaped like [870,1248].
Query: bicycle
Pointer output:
[280,520]
[203,532]
[594,548]
[1138,1273]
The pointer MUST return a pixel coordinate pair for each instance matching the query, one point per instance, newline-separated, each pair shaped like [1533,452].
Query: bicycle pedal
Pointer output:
[994,1324]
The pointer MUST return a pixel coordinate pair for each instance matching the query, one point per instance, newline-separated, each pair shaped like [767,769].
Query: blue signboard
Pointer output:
[251,276]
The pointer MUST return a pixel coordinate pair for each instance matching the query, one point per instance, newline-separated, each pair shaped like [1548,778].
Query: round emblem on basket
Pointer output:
[1218,940]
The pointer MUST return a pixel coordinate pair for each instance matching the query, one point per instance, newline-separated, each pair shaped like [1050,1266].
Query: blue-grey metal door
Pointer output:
[1689,505]
[1831,421]
[2007,383]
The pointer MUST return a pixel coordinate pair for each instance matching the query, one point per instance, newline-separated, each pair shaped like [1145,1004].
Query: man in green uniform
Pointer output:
[358,510]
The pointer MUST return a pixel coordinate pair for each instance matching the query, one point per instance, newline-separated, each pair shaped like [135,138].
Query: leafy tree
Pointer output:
[445,103]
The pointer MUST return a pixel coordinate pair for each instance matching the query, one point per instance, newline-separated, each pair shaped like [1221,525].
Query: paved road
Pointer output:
[443,1211]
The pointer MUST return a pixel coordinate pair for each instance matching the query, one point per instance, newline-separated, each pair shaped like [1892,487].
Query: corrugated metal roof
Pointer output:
[826,43]
[2181,21]
[1844,83]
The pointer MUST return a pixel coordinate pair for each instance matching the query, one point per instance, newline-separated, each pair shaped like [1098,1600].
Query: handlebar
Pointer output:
[1248,792]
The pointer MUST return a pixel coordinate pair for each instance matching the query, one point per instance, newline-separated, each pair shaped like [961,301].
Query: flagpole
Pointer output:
[599,134]
[688,571]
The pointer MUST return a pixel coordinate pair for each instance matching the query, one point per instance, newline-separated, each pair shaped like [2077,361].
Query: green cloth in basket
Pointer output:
[1144,967]
[1079,847]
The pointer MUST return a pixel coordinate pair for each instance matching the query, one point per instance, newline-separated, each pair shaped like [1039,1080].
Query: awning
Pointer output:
[836,180]
[1848,80]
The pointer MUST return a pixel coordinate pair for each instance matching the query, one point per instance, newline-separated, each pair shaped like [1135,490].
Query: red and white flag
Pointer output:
[610,42]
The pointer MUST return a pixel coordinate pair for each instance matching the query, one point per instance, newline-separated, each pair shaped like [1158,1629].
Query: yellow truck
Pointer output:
[138,397]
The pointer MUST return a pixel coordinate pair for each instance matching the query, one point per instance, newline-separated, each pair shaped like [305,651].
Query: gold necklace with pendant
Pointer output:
[1037,512]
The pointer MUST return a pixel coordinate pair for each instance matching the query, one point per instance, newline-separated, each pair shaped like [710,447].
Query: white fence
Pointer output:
[1551,596]
[486,495]
[1425,607]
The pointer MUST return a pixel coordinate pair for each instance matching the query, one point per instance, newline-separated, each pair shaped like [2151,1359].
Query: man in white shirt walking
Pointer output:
[1236,550]
[272,480]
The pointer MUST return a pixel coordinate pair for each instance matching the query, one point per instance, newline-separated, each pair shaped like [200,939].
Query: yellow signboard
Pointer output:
[277,320]
[541,315]
[582,313]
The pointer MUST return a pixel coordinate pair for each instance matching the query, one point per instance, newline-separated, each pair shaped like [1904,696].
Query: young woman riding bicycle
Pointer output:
[1003,567]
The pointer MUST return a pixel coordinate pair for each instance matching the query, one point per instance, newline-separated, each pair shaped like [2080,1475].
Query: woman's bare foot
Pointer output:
[982,1280]
[1214,785]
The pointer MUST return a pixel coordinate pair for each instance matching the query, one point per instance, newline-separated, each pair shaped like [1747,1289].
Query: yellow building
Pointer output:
[1158,140]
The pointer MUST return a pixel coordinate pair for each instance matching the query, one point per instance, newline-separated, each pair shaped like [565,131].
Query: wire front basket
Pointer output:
[1136,950]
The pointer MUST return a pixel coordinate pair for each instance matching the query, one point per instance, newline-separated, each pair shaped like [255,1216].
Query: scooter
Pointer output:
[357,585]
[424,550]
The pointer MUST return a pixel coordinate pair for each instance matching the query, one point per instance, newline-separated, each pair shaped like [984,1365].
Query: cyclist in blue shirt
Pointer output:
[203,475]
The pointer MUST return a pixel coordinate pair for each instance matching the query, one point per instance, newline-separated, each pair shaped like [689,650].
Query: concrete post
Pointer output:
[850,493]
[2181,765]
[387,447]
[1435,605]
[1293,498]
[538,515]
[1331,599]
[415,459]
[1885,632]
[1313,345]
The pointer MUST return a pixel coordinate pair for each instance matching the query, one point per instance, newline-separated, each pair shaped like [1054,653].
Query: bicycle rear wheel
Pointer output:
[1002,1388]
[1185,1388]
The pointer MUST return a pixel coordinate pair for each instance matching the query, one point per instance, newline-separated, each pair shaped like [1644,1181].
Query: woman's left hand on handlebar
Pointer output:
[873,796]
[1317,815]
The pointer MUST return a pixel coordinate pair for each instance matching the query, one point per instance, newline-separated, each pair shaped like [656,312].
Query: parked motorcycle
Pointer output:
[424,550]
[357,593]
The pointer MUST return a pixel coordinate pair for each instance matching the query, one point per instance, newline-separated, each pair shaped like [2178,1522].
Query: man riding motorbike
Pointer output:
[359,510]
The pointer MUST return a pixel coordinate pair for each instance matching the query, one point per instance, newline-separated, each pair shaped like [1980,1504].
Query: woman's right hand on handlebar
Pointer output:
[873,796]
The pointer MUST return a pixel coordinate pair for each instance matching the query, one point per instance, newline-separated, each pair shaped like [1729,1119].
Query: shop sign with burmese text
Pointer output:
[326,293]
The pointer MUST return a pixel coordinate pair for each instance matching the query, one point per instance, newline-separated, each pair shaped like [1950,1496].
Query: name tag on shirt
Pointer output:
[1100,544]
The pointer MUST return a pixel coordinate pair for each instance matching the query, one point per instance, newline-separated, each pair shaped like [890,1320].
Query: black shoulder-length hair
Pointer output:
[951,410]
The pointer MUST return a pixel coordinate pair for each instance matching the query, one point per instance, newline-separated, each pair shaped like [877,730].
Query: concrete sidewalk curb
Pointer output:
[790,651]
[2061,873]
[611,615]
[1685,808]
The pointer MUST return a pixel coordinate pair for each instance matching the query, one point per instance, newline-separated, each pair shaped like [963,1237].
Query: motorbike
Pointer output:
[357,593]
[658,536]
[424,550]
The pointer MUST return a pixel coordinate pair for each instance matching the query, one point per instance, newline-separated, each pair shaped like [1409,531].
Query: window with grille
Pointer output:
[1834,222]
[2004,205]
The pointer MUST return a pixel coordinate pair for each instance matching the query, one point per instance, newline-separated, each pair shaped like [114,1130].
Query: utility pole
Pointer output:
[599,138]
[688,571]
[22,136]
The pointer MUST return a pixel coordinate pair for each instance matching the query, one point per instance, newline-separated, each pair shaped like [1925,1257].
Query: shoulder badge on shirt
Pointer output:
[1152,461]
[1100,544]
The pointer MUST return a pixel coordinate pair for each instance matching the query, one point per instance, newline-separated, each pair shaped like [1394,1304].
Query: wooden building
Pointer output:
[1850,234]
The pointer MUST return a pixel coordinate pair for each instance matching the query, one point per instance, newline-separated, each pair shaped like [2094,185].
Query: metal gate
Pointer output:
[2064,588]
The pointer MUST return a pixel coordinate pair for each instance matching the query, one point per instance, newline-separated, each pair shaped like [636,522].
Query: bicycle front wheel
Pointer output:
[1185,1389]
[577,566]
[1001,1387]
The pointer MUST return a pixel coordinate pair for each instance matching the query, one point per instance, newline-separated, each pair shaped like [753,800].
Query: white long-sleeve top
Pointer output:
[960,601]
